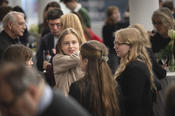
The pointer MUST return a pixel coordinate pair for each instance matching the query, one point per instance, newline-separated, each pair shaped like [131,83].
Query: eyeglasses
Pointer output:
[157,22]
[57,24]
[117,43]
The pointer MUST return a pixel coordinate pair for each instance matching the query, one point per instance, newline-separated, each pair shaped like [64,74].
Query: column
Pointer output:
[141,12]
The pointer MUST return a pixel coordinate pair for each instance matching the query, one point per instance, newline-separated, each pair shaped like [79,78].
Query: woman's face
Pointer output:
[115,16]
[70,44]
[121,48]
[160,28]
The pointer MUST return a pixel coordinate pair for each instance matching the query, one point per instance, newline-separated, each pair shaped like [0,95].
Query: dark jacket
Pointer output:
[159,72]
[62,106]
[47,43]
[108,33]
[158,42]
[135,86]
[5,41]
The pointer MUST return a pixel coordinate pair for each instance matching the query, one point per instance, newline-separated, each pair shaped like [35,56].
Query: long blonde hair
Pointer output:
[137,50]
[71,20]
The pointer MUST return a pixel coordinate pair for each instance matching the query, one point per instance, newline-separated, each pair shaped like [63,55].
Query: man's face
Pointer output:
[55,26]
[12,105]
[19,26]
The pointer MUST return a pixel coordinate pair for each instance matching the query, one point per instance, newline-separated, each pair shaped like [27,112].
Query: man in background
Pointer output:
[14,25]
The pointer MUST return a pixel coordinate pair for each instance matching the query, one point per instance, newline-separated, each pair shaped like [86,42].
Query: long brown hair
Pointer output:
[101,83]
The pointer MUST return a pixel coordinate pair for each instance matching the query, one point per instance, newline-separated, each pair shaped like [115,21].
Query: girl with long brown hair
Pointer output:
[96,91]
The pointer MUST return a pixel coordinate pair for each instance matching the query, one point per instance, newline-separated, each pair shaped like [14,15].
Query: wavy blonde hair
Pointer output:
[71,20]
[144,34]
[137,50]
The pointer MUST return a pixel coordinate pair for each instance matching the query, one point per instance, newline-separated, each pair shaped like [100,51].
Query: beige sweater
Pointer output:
[66,71]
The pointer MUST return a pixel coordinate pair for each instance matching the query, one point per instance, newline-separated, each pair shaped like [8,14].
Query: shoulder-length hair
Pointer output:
[102,85]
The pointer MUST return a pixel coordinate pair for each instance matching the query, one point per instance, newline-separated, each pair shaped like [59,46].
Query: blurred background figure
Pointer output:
[26,94]
[74,6]
[89,34]
[112,23]
[163,21]
[4,3]
[43,27]
[18,53]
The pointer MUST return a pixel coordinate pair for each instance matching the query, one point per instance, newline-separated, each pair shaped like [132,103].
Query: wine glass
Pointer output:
[46,57]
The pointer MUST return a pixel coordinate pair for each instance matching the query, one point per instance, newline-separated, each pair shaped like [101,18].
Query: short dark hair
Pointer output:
[53,4]
[54,14]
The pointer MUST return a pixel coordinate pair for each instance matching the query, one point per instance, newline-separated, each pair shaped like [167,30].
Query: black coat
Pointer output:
[5,41]
[47,43]
[135,87]
[158,42]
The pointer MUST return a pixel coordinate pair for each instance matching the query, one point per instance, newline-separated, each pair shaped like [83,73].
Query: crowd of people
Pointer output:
[78,73]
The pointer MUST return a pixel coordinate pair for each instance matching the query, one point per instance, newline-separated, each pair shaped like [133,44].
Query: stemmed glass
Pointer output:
[46,57]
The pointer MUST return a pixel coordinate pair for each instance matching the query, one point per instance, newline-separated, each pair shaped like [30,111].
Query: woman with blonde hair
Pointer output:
[160,73]
[134,73]
[96,91]
[66,65]
[71,20]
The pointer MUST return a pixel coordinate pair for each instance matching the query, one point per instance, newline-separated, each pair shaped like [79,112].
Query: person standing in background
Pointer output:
[48,42]
[111,25]
[14,25]
[74,6]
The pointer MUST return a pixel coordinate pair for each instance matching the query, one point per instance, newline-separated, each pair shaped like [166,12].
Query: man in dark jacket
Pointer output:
[14,26]
[48,42]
